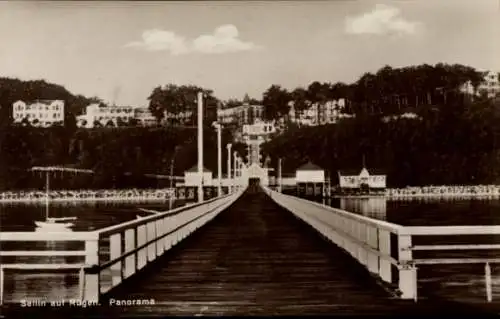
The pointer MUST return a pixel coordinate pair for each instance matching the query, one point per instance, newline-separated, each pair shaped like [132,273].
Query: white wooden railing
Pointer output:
[132,245]
[369,242]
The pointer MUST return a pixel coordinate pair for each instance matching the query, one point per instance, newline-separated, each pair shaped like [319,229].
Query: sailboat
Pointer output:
[54,224]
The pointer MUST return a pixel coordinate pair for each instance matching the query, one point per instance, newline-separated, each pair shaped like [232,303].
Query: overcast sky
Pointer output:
[121,51]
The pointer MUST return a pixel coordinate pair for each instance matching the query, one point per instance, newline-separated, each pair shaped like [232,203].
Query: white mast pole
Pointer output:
[200,146]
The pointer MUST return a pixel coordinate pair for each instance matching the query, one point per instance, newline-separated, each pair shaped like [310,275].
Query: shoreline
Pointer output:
[90,196]
[83,200]
[162,196]
[418,196]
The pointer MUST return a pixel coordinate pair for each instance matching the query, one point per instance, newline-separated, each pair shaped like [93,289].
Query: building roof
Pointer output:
[309,167]
[43,101]
[195,169]
[356,172]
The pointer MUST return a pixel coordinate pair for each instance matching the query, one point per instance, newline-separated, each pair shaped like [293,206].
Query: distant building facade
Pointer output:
[39,113]
[318,114]
[97,115]
[144,116]
[490,86]
[254,135]
[192,177]
[180,118]
[361,180]
[310,180]
[309,173]
[240,115]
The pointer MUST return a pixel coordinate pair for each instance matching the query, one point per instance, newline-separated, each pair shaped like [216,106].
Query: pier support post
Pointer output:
[407,272]
[115,251]
[92,287]
[384,239]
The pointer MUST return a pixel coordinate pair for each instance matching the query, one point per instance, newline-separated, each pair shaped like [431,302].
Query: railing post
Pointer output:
[2,284]
[151,235]
[81,284]
[361,234]
[407,271]
[372,241]
[115,251]
[352,233]
[129,246]
[160,248]
[384,239]
[141,240]
[166,240]
[487,280]
[92,287]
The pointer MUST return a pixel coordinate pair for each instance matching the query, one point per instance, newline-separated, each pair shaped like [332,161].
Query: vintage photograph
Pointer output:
[252,158]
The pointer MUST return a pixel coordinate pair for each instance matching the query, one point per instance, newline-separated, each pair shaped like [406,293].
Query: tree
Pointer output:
[318,94]
[176,99]
[25,122]
[133,122]
[276,102]
[300,99]
[120,122]
[232,103]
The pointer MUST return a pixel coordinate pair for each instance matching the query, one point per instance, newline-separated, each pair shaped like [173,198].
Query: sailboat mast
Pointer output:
[47,195]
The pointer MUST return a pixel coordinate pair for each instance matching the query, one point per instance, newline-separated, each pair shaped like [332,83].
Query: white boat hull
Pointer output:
[51,226]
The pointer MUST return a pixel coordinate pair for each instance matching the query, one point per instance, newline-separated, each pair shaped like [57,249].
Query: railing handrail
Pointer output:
[49,236]
[389,258]
[138,222]
[393,228]
[449,261]
[107,264]
[411,230]
[54,267]
[450,230]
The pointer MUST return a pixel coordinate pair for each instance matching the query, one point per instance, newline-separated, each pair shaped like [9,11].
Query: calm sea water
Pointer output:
[462,282]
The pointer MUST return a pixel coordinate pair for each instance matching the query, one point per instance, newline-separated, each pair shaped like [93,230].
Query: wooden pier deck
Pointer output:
[255,258]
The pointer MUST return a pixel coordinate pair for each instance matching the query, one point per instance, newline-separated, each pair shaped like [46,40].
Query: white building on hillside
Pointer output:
[181,118]
[259,128]
[318,114]
[40,113]
[490,85]
[97,115]
[254,135]
[144,116]
[241,115]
